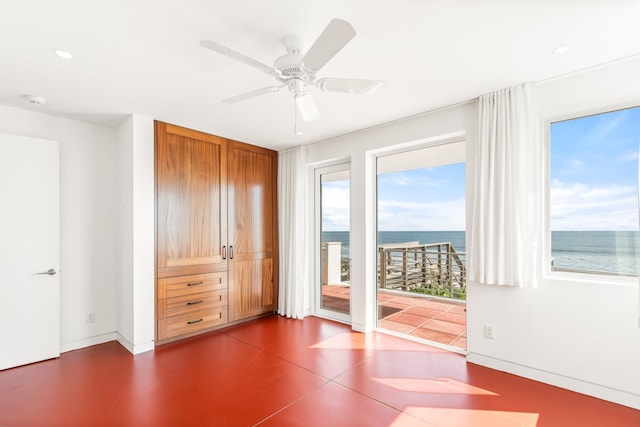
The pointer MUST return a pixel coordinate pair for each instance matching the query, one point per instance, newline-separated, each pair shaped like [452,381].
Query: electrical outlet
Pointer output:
[489,332]
[91,317]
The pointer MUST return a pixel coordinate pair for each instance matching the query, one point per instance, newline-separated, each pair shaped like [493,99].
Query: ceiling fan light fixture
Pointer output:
[296,126]
[307,107]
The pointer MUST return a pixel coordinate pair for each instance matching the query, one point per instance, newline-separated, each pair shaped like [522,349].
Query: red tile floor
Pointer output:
[283,372]
[433,319]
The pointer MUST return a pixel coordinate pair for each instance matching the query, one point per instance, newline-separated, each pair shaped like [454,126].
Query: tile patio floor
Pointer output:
[433,319]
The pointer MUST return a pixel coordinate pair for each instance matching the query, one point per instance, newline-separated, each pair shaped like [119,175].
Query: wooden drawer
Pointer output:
[185,285]
[191,322]
[189,303]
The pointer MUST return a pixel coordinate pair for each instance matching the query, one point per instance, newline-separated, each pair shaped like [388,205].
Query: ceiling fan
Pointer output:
[297,71]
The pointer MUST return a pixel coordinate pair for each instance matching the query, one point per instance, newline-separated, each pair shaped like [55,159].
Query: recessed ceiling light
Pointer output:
[63,53]
[563,48]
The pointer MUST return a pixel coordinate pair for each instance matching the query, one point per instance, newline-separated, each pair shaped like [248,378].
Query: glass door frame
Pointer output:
[373,156]
[317,288]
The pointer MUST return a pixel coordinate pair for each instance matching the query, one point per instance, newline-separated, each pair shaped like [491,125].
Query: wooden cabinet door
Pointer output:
[253,240]
[191,194]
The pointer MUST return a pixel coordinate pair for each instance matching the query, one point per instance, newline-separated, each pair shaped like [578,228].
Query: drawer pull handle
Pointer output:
[191,322]
[220,297]
[194,284]
[220,315]
[230,252]
[224,252]
[195,302]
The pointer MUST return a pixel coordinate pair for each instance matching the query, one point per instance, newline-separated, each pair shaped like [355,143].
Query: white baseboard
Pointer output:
[621,397]
[135,348]
[103,338]
[87,342]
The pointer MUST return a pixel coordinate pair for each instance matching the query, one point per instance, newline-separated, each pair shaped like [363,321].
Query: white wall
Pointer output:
[88,221]
[124,305]
[581,336]
[106,226]
[144,237]
[572,333]
[135,302]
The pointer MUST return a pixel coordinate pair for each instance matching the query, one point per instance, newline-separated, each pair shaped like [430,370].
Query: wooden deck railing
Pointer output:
[435,268]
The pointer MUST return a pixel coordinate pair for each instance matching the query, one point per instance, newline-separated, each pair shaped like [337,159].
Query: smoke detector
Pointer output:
[35,100]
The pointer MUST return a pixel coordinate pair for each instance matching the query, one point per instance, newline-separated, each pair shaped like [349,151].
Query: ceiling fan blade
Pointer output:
[348,85]
[334,37]
[223,50]
[252,94]
[307,107]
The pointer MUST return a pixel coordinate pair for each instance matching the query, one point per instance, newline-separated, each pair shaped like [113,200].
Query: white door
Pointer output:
[29,246]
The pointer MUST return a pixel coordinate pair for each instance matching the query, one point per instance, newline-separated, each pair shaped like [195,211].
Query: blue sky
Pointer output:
[594,174]
[423,199]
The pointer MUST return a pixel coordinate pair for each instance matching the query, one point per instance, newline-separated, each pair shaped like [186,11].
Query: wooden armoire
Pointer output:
[216,232]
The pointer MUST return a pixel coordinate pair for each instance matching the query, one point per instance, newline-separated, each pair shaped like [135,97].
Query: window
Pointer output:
[594,193]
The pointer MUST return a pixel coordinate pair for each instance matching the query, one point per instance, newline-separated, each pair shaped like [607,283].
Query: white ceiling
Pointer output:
[143,57]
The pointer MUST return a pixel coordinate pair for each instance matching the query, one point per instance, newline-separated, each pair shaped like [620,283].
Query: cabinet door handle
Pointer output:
[195,284]
[230,252]
[195,302]
[224,252]
[191,322]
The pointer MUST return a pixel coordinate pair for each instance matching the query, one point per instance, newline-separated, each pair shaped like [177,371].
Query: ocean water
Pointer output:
[605,251]
[609,251]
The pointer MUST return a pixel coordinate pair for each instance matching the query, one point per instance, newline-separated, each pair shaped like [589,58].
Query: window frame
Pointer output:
[570,275]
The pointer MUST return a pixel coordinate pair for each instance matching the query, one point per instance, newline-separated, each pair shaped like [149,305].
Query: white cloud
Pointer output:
[396,215]
[407,179]
[575,206]
[576,164]
[579,206]
[630,156]
[335,207]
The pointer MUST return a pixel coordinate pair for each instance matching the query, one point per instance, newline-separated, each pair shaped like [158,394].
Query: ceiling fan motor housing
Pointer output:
[290,67]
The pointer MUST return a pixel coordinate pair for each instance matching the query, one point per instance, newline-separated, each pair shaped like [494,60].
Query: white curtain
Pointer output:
[294,234]
[508,199]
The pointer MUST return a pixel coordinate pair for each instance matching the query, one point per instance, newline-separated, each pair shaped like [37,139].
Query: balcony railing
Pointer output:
[435,269]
